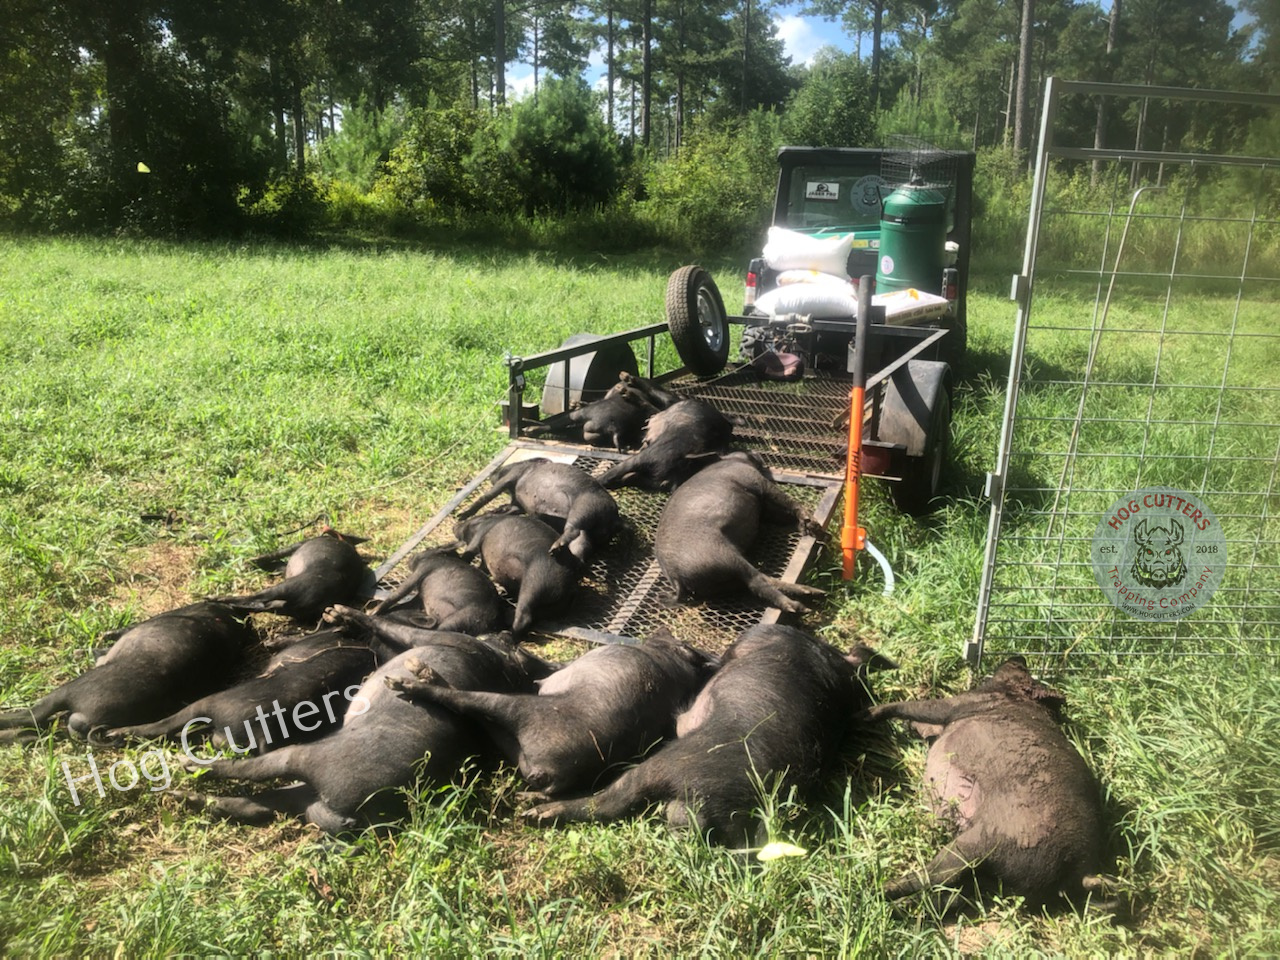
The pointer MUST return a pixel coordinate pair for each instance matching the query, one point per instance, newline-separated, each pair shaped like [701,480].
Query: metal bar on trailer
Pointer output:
[549,357]
[454,502]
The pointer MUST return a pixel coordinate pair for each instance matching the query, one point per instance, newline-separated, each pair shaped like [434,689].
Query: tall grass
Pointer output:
[172,410]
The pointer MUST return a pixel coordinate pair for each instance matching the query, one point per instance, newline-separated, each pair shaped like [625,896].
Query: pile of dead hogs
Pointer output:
[359,704]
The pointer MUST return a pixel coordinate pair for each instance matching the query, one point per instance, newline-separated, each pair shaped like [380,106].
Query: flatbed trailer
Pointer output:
[799,429]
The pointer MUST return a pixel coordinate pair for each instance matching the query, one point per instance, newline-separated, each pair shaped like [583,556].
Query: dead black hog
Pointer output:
[153,668]
[656,396]
[712,520]
[605,708]
[561,495]
[678,442]
[321,571]
[1025,808]
[616,420]
[516,550]
[353,777]
[776,714]
[264,712]
[453,595]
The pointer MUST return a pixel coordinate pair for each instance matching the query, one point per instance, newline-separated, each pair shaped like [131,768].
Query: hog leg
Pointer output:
[402,589]
[630,792]
[39,714]
[161,729]
[506,484]
[577,541]
[285,762]
[392,635]
[952,862]
[775,592]
[502,714]
[260,809]
[932,712]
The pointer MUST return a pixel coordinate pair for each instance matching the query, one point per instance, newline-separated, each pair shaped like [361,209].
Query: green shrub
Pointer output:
[718,189]
[357,152]
[552,151]
[833,107]
[426,172]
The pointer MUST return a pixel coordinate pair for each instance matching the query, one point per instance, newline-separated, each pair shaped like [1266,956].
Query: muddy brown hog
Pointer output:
[152,669]
[712,520]
[615,420]
[321,571]
[606,708]
[298,696]
[560,494]
[354,777]
[1025,808]
[453,595]
[678,442]
[516,550]
[776,713]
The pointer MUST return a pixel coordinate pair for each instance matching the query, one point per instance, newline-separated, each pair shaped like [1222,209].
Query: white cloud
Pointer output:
[519,85]
[799,40]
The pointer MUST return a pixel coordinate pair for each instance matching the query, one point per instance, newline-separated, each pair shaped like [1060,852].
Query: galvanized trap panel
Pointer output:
[621,595]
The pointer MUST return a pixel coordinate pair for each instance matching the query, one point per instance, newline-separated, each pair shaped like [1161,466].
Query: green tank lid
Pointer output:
[915,205]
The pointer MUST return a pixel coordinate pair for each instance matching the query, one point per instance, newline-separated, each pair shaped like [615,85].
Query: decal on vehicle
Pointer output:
[822,190]
[865,195]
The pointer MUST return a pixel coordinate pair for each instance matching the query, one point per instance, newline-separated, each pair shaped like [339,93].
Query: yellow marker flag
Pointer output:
[778,850]
[143,168]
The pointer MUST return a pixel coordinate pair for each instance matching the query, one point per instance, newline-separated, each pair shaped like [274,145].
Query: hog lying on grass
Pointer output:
[321,571]
[316,669]
[153,668]
[352,777]
[1024,805]
[712,520]
[605,708]
[561,495]
[776,713]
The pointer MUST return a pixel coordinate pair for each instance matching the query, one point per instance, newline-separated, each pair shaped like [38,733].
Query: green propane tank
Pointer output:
[913,239]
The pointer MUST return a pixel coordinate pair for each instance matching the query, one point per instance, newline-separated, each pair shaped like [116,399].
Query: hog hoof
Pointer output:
[546,813]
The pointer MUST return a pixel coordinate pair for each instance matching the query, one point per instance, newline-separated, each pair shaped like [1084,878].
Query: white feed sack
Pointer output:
[817,300]
[789,250]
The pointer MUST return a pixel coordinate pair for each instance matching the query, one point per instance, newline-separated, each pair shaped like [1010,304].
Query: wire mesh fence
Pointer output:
[1146,357]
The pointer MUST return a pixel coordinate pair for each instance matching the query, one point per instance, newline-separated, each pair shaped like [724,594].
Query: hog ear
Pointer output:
[1013,672]
[1047,696]
[662,632]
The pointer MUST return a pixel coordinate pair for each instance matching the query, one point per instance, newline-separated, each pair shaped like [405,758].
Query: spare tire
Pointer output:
[697,320]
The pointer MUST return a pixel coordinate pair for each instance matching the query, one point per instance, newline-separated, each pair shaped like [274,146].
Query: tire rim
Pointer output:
[709,319]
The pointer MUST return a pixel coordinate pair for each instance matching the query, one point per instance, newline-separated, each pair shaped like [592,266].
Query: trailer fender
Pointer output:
[909,401]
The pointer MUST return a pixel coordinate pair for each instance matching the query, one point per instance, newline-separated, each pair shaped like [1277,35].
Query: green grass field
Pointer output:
[241,392]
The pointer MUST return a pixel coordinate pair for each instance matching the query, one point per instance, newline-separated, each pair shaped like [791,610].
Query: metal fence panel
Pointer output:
[1151,359]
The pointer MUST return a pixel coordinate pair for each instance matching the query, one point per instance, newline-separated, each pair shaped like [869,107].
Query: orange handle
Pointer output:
[853,537]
